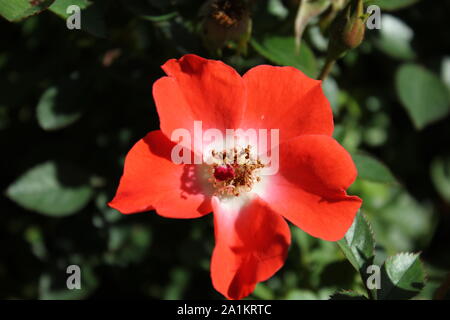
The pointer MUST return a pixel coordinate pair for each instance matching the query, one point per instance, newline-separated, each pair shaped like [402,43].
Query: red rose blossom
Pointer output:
[251,234]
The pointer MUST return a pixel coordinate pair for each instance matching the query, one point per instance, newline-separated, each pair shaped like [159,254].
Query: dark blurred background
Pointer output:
[73,102]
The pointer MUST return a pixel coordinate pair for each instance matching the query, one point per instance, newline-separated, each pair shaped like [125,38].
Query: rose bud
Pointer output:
[347,30]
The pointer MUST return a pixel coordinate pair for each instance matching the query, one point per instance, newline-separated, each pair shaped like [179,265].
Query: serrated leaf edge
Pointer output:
[367,154]
[421,265]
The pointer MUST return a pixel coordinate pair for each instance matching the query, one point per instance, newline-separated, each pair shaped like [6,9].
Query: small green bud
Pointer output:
[226,21]
[347,30]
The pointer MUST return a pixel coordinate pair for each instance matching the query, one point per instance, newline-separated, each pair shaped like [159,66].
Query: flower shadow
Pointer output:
[193,179]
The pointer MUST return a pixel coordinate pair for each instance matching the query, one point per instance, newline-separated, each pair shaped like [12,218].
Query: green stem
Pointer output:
[326,69]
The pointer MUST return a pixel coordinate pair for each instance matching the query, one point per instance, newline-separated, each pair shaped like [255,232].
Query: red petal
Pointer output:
[199,89]
[284,98]
[310,188]
[151,180]
[251,245]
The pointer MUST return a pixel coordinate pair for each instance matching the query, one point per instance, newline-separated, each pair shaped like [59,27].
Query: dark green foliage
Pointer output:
[73,102]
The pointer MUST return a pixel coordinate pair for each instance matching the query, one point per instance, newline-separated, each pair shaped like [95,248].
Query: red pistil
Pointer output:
[223,173]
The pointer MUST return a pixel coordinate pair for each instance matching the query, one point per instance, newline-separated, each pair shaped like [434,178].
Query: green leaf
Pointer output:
[422,93]
[277,8]
[358,243]
[263,292]
[440,174]
[92,15]
[144,10]
[53,283]
[400,222]
[358,246]
[331,91]
[308,294]
[347,295]
[127,244]
[160,18]
[49,113]
[391,5]
[402,277]
[16,10]
[60,6]
[179,281]
[301,294]
[62,104]
[51,189]
[445,71]
[281,50]
[395,38]
[372,169]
